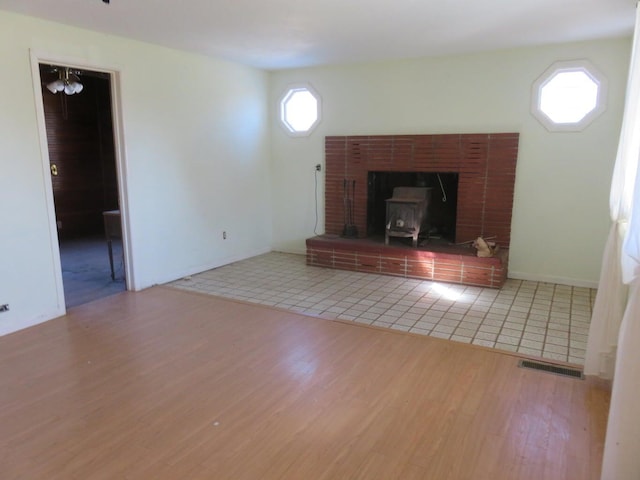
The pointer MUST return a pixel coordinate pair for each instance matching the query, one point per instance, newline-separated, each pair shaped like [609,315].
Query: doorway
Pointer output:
[79,126]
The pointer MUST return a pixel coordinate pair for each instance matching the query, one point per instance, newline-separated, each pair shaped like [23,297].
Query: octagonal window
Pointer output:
[568,96]
[300,110]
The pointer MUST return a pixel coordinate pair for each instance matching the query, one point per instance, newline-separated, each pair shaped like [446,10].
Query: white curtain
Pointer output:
[615,325]
[608,309]
[621,459]
[617,267]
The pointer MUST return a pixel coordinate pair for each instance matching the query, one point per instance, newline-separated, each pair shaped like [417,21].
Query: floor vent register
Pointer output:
[550,368]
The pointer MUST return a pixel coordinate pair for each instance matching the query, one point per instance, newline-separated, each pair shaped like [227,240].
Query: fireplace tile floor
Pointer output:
[533,318]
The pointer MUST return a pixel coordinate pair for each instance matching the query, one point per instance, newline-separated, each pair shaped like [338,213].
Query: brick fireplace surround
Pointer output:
[486,165]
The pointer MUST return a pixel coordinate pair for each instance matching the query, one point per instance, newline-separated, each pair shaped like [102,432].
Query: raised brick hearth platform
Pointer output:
[452,264]
[486,168]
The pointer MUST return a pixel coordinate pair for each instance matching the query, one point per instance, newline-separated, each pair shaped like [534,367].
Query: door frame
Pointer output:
[121,165]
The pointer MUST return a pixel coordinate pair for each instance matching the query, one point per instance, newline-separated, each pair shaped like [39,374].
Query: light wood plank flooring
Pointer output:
[167,384]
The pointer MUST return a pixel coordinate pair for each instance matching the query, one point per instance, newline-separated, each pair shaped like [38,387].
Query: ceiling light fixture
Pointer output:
[67,82]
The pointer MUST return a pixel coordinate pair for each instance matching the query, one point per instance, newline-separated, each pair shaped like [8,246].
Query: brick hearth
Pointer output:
[446,264]
[485,163]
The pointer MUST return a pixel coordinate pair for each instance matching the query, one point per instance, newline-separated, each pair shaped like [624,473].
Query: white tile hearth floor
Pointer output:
[533,318]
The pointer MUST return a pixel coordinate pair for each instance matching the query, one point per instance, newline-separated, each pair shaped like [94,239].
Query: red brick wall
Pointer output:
[486,164]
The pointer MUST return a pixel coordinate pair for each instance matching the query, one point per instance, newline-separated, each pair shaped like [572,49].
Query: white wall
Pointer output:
[560,212]
[200,159]
[196,151]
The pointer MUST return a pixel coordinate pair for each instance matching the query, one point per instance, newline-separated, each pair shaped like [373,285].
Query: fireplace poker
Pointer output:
[345,202]
[350,230]
[351,200]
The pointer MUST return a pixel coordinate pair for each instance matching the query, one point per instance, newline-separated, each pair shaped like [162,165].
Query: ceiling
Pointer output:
[279,34]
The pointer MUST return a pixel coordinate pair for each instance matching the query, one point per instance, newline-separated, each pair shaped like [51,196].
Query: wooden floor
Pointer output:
[167,384]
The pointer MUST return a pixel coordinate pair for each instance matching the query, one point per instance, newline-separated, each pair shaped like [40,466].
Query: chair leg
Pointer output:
[110,247]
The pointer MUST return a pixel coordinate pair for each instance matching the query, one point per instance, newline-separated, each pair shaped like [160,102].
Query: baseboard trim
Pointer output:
[15,324]
[208,266]
[573,282]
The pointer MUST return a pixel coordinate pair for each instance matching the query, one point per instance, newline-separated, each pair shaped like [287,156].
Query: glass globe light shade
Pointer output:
[55,86]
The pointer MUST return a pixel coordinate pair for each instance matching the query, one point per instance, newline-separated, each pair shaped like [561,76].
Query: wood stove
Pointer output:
[407,213]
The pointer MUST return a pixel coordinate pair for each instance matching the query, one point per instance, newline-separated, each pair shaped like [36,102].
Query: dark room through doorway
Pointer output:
[80,139]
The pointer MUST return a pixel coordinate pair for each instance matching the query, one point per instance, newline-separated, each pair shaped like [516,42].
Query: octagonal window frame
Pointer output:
[282,112]
[569,66]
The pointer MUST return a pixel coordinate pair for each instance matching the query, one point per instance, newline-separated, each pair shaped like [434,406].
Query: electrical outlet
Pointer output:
[318,168]
[224,235]
[4,308]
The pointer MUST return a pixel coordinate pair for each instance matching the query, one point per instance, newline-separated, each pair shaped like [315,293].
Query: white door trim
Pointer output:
[121,165]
